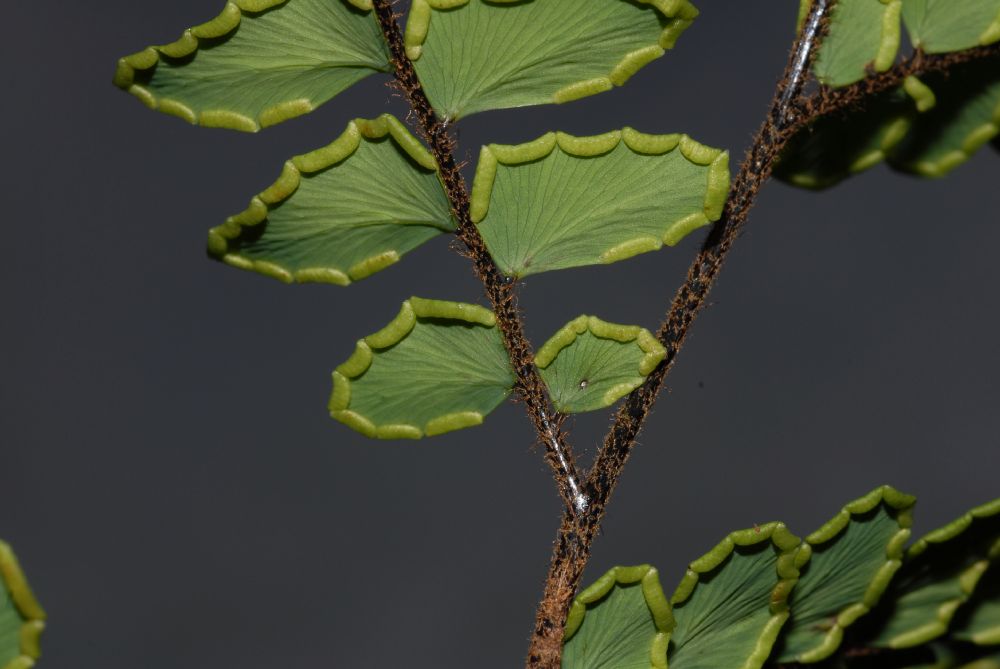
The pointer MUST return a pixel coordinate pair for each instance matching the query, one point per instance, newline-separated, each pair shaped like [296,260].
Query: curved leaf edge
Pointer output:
[652,592]
[968,579]
[187,44]
[990,35]
[890,36]
[986,636]
[717,160]
[791,559]
[899,502]
[923,98]
[971,143]
[399,328]
[338,151]
[681,14]
[31,611]
[653,350]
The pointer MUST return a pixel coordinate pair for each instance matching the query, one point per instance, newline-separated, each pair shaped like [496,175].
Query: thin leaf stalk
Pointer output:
[790,112]
[587,499]
[500,290]
[576,534]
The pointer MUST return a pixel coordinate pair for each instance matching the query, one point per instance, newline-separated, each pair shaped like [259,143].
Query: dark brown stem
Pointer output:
[831,101]
[783,121]
[572,549]
[586,500]
[790,111]
[500,289]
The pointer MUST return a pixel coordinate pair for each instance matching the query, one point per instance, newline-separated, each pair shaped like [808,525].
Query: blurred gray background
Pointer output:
[179,497]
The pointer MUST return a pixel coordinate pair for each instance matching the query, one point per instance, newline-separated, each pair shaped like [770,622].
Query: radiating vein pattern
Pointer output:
[852,560]
[863,35]
[940,26]
[590,364]
[480,55]
[343,212]
[620,622]
[560,202]
[246,70]
[941,572]
[438,366]
[733,601]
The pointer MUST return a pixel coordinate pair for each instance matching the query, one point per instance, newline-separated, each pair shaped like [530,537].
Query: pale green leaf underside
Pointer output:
[564,201]
[475,55]
[590,364]
[343,212]
[939,26]
[731,604]
[941,572]
[837,146]
[439,366]
[863,34]
[21,618]
[979,620]
[853,558]
[250,69]
[966,116]
[620,622]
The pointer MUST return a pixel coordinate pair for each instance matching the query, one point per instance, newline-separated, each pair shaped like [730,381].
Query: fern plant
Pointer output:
[851,593]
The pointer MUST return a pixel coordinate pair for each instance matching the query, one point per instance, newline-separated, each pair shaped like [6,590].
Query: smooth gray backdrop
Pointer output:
[179,497]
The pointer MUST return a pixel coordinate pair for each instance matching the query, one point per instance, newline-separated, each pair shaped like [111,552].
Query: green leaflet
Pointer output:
[622,621]
[21,618]
[590,364]
[940,573]
[978,620]
[343,212]
[733,601]
[836,146]
[473,55]
[939,26]
[259,62]
[563,201]
[854,556]
[966,116]
[863,34]
[437,367]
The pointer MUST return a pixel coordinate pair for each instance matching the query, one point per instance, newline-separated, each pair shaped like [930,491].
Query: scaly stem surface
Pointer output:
[576,534]
[586,500]
[500,290]
[790,112]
